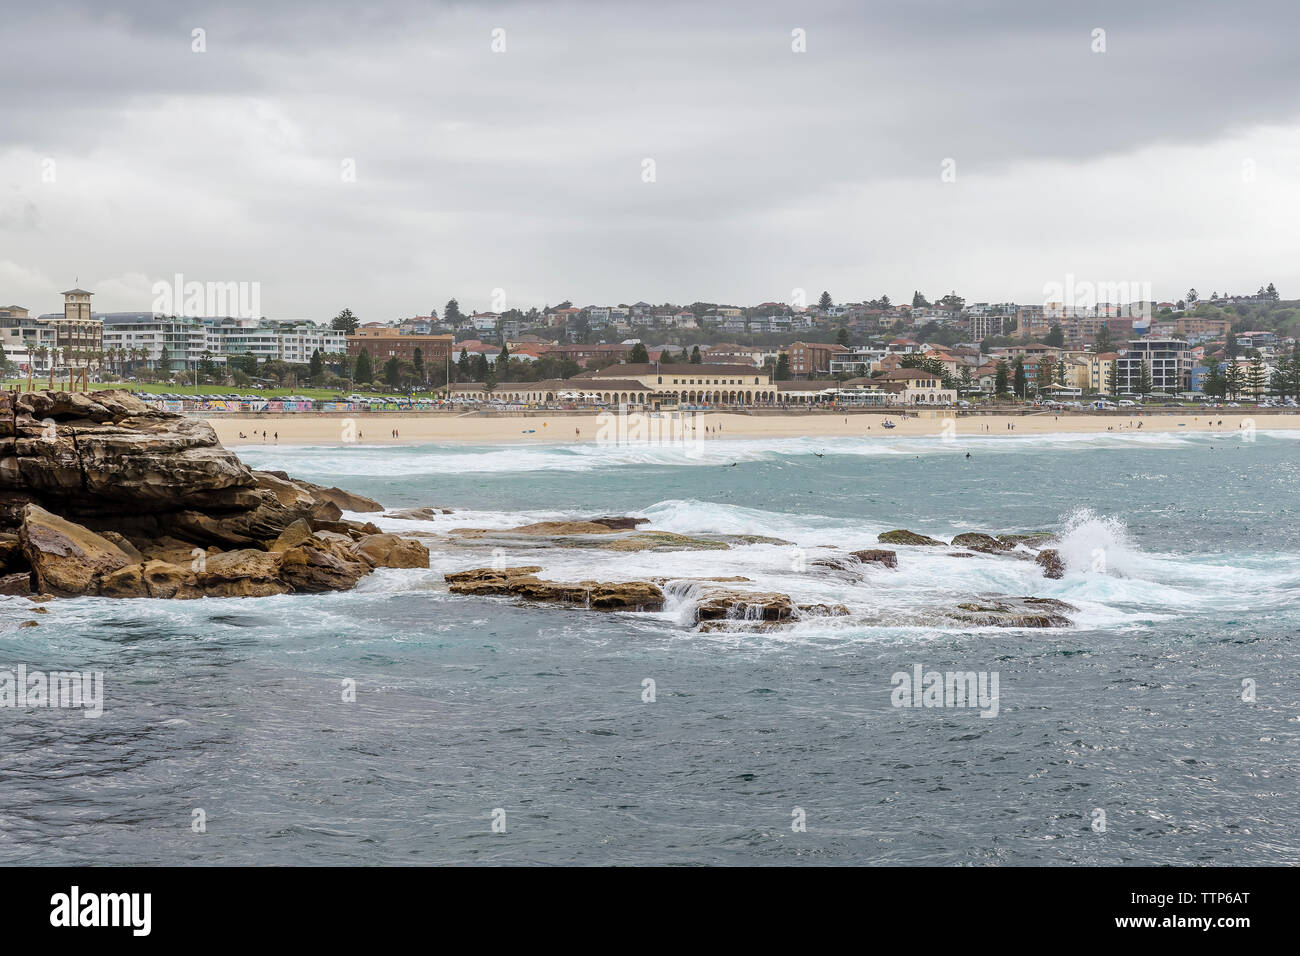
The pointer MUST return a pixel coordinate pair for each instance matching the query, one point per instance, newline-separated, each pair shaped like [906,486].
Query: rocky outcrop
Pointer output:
[1012,612]
[985,543]
[1049,559]
[417,514]
[101,494]
[907,537]
[887,559]
[522,582]
[66,558]
[744,606]
[390,551]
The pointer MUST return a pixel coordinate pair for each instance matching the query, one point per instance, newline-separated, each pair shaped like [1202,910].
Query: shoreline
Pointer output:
[533,428]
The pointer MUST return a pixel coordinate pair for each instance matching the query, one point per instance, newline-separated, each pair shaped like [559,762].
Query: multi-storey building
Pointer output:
[383,344]
[1169,361]
[812,359]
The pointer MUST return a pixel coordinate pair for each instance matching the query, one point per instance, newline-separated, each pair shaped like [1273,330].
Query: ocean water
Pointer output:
[1123,739]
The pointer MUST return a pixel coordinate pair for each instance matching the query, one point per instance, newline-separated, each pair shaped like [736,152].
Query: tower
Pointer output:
[76,304]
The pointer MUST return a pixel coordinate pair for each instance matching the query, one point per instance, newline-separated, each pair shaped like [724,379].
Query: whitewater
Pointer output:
[1180,560]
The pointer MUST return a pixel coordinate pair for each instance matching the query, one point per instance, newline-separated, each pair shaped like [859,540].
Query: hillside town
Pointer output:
[870,353]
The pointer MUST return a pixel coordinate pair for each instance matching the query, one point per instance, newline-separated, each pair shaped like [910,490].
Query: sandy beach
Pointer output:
[414,428]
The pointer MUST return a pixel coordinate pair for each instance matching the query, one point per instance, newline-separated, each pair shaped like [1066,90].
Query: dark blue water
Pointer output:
[466,705]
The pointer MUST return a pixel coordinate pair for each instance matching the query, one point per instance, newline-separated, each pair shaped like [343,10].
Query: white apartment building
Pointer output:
[297,343]
[173,343]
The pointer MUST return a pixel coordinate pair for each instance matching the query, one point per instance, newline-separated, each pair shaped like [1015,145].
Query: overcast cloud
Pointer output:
[1171,158]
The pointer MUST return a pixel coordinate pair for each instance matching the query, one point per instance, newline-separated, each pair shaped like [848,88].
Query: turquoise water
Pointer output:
[1181,555]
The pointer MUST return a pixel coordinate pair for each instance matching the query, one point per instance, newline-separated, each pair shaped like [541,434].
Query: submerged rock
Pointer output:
[1013,612]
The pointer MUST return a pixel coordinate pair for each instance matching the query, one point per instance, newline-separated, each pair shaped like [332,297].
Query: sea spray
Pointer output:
[1090,543]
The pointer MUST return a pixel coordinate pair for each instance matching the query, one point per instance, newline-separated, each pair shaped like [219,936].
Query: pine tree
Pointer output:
[1001,378]
[345,321]
[825,302]
[421,373]
[782,373]
[1144,379]
[1019,378]
[364,372]
[842,337]
[317,366]
[696,358]
[638,355]
[1256,378]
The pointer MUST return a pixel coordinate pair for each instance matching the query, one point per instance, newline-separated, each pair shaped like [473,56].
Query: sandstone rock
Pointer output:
[297,533]
[417,514]
[1013,612]
[744,606]
[243,573]
[391,551]
[1035,539]
[19,584]
[486,580]
[309,570]
[12,558]
[152,579]
[123,542]
[985,543]
[345,500]
[68,560]
[888,559]
[595,595]
[620,523]
[663,541]
[1049,559]
[907,537]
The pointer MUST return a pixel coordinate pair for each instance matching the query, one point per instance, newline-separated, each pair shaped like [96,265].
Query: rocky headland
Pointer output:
[100,494]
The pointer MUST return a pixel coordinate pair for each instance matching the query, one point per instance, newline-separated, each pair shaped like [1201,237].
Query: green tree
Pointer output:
[1055,338]
[1234,380]
[464,366]
[393,371]
[451,314]
[345,321]
[696,358]
[638,355]
[502,368]
[782,372]
[1104,341]
[1256,378]
[1144,378]
[825,302]
[842,337]
[1019,378]
[421,373]
[365,371]
[1001,377]
[317,366]
[1043,375]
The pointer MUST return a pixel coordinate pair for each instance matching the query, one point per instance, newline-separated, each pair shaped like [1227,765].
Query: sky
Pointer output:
[388,156]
